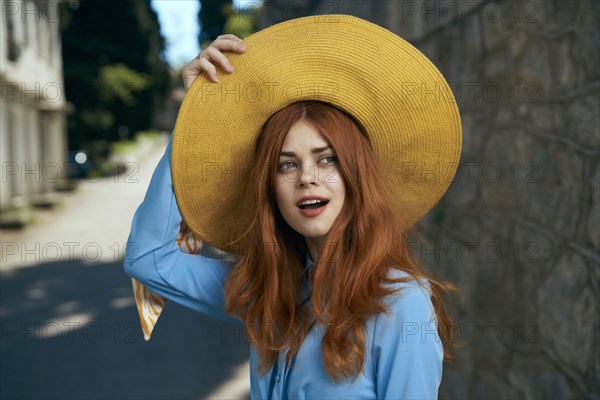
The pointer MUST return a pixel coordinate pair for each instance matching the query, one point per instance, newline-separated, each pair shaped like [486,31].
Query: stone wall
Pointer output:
[519,229]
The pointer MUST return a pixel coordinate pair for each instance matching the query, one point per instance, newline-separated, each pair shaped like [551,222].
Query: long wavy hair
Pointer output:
[351,277]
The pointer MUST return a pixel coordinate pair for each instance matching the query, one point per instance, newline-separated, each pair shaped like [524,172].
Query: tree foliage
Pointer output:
[242,22]
[115,73]
[117,81]
[212,18]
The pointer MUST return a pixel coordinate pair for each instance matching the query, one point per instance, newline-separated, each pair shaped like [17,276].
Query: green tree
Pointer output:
[115,73]
[242,23]
[212,18]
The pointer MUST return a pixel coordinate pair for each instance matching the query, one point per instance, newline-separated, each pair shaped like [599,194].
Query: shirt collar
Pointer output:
[309,261]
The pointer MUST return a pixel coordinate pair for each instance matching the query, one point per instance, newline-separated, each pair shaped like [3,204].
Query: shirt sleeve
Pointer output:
[154,259]
[407,350]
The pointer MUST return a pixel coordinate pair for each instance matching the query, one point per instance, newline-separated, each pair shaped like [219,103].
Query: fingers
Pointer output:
[212,56]
[209,68]
[225,44]
[229,36]
[189,75]
[194,68]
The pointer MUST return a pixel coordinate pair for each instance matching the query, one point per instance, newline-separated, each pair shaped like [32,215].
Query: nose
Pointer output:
[308,175]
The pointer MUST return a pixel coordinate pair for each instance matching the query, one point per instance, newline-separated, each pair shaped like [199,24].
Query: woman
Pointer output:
[332,302]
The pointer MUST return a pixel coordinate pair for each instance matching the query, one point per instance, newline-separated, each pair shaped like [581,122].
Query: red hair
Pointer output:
[352,276]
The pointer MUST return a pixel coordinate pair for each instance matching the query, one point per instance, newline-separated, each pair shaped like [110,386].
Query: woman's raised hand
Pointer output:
[213,55]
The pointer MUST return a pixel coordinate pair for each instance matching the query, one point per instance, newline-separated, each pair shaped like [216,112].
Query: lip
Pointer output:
[311,212]
[304,198]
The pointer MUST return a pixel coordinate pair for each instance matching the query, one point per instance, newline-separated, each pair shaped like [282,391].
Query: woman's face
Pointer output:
[309,190]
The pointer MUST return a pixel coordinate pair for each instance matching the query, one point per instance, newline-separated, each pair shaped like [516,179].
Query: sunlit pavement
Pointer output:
[69,327]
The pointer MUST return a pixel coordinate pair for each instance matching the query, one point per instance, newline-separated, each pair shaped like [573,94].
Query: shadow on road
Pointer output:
[71,330]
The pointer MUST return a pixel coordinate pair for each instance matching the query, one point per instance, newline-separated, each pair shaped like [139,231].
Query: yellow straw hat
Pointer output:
[397,95]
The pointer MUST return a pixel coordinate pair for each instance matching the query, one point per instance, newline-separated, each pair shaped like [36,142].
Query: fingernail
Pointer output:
[242,47]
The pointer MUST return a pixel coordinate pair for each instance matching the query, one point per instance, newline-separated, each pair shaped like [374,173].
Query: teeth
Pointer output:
[310,202]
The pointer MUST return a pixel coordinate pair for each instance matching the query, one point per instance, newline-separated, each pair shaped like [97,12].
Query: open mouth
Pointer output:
[313,205]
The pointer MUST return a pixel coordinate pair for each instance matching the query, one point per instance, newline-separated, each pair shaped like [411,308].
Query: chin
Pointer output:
[314,233]
[314,236]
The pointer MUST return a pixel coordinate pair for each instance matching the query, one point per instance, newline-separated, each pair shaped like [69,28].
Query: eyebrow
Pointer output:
[316,150]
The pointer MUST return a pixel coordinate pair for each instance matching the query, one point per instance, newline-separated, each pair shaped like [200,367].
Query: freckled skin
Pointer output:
[307,174]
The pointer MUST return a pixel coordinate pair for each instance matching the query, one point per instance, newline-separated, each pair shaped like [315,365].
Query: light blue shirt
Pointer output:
[403,350]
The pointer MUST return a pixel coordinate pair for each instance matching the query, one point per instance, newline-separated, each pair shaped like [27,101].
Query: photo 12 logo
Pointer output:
[35,92]
[88,252]
[25,11]
[70,332]
[53,172]
[452,11]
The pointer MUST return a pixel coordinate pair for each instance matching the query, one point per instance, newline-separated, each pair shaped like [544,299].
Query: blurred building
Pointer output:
[33,137]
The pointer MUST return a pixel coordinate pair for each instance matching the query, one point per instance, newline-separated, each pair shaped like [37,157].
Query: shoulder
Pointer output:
[409,319]
[410,301]
[406,350]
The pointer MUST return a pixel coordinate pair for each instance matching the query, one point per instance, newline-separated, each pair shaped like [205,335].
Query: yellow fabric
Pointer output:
[399,97]
[149,304]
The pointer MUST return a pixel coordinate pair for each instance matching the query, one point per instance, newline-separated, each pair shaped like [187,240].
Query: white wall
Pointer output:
[32,98]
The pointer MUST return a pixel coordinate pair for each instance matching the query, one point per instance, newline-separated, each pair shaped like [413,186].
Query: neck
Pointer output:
[315,247]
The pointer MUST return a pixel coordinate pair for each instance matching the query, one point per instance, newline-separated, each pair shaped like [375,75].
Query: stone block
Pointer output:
[563,13]
[493,386]
[493,34]
[589,13]
[534,65]
[533,15]
[532,251]
[561,184]
[586,47]
[538,384]
[569,313]
[516,42]
[496,182]
[567,75]
[496,276]
[498,68]
[462,191]
[593,222]
[582,121]
[452,257]
[470,50]
[447,54]
[548,117]
[586,50]
[453,386]
[541,180]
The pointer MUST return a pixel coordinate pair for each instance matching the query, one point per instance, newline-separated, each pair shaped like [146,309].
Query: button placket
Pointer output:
[279,379]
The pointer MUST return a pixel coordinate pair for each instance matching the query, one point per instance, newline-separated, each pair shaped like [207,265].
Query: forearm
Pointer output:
[154,259]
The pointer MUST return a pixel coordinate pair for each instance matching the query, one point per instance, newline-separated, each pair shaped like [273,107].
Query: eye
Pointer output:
[286,165]
[327,160]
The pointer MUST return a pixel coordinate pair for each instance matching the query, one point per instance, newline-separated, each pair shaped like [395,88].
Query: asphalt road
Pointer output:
[69,328]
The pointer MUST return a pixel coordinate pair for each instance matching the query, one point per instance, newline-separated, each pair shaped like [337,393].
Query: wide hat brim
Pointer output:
[397,95]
